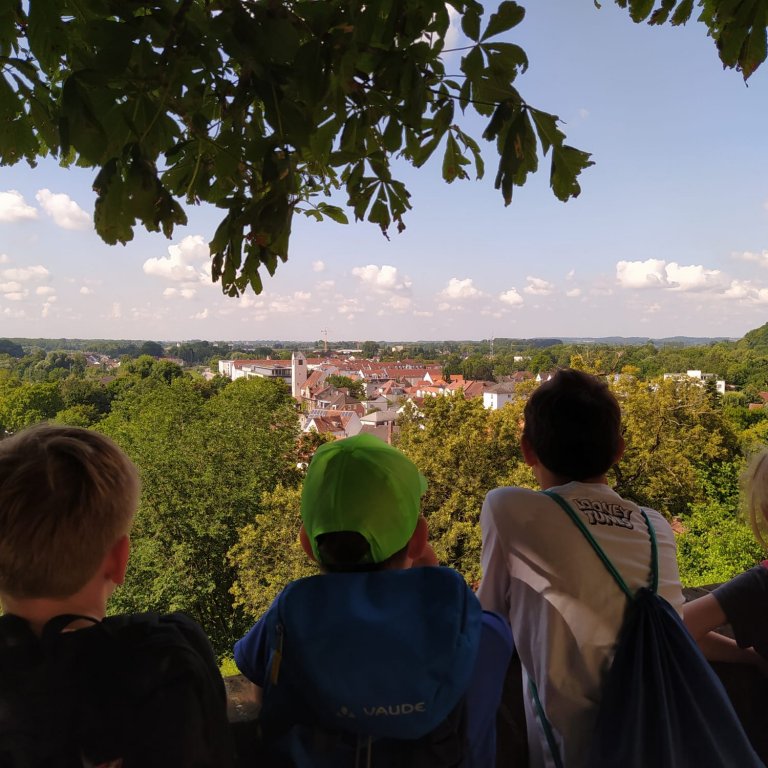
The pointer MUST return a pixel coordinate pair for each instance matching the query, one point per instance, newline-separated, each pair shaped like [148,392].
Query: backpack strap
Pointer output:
[610,567]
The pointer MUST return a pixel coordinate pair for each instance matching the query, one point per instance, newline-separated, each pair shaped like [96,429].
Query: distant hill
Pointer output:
[667,341]
[756,339]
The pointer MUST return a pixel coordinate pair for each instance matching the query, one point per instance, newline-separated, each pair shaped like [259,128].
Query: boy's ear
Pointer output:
[306,544]
[529,455]
[116,561]
[418,541]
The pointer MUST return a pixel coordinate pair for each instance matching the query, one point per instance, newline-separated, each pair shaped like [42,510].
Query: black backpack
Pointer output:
[662,706]
[139,691]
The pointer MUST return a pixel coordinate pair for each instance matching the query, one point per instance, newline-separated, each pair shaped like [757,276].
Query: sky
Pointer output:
[668,237]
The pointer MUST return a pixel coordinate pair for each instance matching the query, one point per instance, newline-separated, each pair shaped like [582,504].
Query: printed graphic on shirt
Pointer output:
[604,512]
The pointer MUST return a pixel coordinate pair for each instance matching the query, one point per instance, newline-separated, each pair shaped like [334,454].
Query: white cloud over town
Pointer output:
[538,287]
[64,211]
[318,266]
[512,298]
[383,279]
[459,289]
[187,262]
[13,207]
[25,274]
[752,256]
[657,273]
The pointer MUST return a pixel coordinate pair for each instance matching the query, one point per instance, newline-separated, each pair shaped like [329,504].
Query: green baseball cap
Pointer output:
[361,484]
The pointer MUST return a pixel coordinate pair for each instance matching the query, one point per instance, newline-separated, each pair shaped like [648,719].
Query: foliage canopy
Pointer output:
[264,108]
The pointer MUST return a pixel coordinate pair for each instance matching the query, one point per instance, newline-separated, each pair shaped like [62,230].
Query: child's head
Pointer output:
[360,504]
[755,484]
[573,423]
[66,496]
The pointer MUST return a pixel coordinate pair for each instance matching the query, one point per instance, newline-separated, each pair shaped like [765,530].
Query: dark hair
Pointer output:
[573,423]
[349,552]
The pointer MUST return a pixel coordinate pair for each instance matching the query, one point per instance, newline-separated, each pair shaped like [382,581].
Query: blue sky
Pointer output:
[669,236]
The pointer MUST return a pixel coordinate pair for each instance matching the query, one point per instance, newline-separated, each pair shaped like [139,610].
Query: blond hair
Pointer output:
[755,493]
[66,496]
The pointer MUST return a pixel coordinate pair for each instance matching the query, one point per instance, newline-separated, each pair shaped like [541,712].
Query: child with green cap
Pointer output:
[374,654]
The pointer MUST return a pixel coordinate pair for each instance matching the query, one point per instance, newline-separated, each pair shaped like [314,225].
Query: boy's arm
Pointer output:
[704,615]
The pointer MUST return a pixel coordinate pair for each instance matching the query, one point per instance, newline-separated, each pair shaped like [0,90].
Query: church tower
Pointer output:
[298,374]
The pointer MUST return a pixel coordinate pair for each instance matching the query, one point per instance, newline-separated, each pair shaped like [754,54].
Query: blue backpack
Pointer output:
[371,669]
[662,706]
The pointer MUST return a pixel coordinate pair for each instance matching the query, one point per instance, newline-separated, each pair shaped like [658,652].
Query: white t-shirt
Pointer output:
[564,607]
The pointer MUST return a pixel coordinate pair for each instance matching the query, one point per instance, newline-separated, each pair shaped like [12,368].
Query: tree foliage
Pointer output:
[267,554]
[673,431]
[204,464]
[464,451]
[738,28]
[265,109]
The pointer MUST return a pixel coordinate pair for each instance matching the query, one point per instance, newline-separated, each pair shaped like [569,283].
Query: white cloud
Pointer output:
[746,292]
[570,274]
[325,285]
[460,289]
[656,273]
[511,297]
[64,211]
[318,266]
[296,303]
[15,313]
[653,308]
[693,277]
[117,310]
[248,301]
[10,287]
[16,296]
[583,113]
[349,308]
[574,293]
[765,205]
[383,279]
[758,258]
[25,274]
[86,291]
[13,207]
[641,274]
[186,262]
[4,258]
[203,315]
[538,287]
[423,313]
[399,303]
[44,290]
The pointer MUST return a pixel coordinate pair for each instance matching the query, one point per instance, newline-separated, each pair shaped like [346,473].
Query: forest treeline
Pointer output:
[222,462]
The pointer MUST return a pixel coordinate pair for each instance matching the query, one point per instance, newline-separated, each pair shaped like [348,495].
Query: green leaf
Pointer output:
[567,164]
[453,161]
[661,14]
[509,14]
[333,212]
[470,144]
[754,51]
[470,23]
[546,127]
[506,59]
[46,32]
[639,10]
[682,13]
